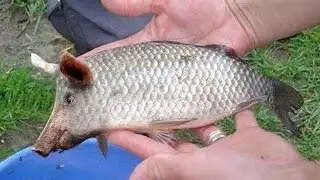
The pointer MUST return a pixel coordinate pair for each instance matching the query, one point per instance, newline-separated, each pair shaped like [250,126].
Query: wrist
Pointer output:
[310,171]
[315,170]
[298,171]
[266,21]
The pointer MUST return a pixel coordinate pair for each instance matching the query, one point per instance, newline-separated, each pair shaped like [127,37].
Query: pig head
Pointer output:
[57,135]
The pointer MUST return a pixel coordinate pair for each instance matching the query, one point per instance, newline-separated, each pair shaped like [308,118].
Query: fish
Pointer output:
[155,88]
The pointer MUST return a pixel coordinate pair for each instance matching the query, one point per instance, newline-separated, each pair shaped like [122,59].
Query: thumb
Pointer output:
[246,119]
[133,7]
[159,167]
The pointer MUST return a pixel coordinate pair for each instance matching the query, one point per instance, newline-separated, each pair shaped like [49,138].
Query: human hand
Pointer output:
[199,22]
[239,24]
[205,22]
[250,153]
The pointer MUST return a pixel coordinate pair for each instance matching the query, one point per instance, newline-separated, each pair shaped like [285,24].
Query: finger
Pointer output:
[245,120]
[134,7]
[185,146]
[178,166]
[140,145]
[203,132]
[158,168]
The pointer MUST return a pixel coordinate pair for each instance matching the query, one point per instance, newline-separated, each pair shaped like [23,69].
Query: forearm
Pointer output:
[297,171]
[316,171]
[266,21]
[309,171]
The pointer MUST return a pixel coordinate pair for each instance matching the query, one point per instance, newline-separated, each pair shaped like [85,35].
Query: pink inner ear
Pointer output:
[76,71]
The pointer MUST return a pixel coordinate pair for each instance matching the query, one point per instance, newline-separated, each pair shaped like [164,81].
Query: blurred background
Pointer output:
[27,95]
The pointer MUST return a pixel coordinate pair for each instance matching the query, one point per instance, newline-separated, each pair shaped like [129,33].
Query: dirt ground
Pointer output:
[15,51]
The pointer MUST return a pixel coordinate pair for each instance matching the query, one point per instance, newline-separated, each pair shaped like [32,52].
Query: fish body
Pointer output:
[156,86]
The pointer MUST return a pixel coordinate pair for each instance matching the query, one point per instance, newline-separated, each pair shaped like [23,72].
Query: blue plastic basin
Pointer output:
[82,162]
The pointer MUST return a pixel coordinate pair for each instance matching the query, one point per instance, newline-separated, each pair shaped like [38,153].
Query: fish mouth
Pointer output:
[58,139]
[57,134]
[52,140]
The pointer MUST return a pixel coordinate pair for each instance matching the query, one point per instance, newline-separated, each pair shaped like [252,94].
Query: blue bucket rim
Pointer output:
[28,150]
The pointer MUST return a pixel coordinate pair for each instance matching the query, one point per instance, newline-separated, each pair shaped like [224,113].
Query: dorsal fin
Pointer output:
[228,50]
[232,53]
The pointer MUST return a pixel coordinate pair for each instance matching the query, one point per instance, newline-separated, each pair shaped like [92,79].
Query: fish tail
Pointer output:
[286,100]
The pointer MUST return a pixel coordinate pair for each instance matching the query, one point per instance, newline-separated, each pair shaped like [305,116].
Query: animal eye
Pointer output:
[69,99]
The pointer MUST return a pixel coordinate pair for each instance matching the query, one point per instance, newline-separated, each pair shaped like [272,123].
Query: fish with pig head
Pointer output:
[155,88]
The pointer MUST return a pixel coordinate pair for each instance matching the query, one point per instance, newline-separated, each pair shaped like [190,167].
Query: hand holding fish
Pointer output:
[163,86]
[197,22]
[239,24]
[250,153]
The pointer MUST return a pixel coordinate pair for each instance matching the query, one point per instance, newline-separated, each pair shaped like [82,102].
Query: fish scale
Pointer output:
[154,87]
[157,75]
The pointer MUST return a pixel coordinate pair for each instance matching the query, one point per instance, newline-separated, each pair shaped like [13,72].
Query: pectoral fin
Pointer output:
[166,137]
[250,103]
[103,144]
[167,124]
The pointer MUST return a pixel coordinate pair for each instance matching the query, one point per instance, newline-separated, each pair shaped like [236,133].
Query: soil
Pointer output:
[22,137]
[15,51]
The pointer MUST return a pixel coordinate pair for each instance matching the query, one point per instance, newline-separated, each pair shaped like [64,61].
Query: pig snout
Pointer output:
[52,140]
[48,141]
[58,134]
[54,136]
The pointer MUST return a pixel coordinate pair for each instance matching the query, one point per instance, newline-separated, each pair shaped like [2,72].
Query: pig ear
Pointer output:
[74,70]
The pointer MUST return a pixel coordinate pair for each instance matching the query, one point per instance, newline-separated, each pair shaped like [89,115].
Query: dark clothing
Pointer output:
[87,24]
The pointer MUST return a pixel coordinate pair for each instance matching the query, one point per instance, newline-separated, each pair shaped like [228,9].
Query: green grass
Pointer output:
[5,153]
[302,71]
[27,97]
[32,7]
[24,97]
